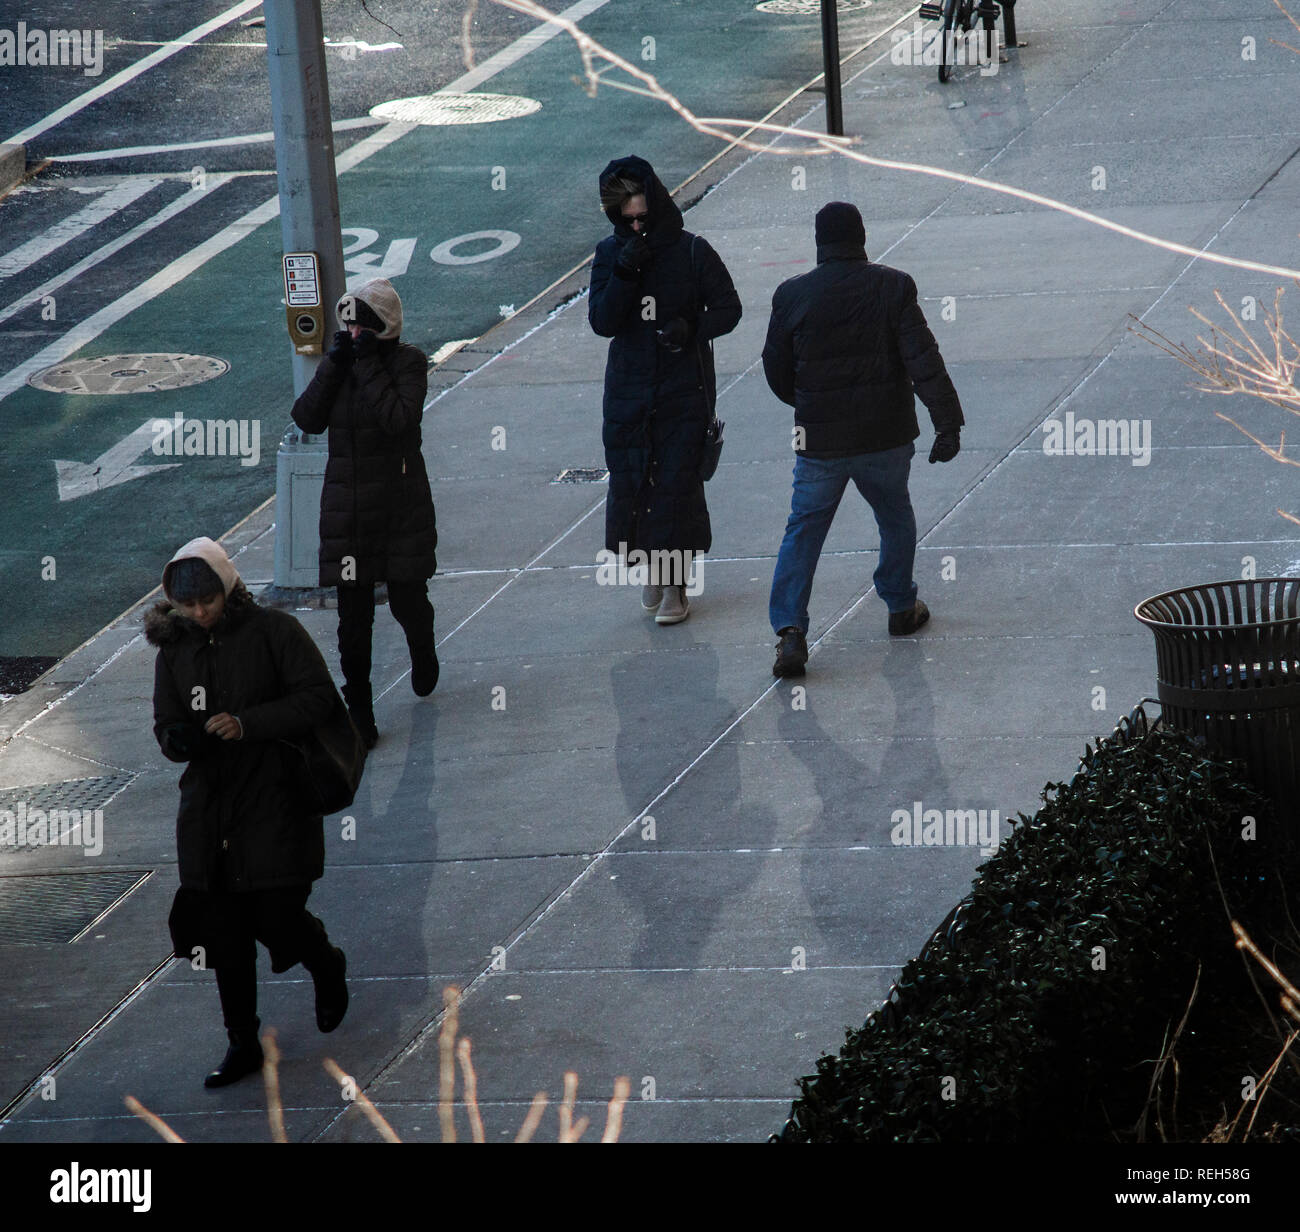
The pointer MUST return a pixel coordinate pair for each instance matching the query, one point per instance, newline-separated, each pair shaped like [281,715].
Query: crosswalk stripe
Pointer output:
[63,232]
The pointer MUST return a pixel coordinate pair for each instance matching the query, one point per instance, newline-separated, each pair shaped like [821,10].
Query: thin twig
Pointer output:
[447,1063]
[271,1080]
[466,39]
[1157,1076]
[813,143]
[362,1101]
[533,1119]
[471,1089]
[1262,1089]
[614,1114]
[153,1120]
[571,1130]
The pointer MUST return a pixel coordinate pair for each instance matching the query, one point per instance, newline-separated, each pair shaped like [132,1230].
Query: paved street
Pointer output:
[639,854]
[181,255]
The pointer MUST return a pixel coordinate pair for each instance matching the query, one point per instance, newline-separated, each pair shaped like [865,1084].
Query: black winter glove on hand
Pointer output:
[366,343]
[947,445]
[636,255]
[183,740]
[341,352]
[676,334]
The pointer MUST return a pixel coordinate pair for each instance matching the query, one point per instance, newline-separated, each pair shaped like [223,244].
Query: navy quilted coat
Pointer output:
[658,402]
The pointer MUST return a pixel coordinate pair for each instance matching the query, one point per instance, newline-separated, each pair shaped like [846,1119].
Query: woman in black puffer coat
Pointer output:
[376,513]
[662,295]
[232,683]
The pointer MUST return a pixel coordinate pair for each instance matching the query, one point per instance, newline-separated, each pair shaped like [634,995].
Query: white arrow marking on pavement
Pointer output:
[114,466]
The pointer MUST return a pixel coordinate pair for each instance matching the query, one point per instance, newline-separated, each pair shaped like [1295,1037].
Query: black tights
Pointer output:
[409,602]
[280,920]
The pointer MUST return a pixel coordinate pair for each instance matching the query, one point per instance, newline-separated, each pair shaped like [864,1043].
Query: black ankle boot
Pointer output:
[331,990]
[243,1057]
[362,710]
[365,725]
[424,671]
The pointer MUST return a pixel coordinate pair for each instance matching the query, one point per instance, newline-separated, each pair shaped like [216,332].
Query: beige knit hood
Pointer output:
[379,296]
[213,554]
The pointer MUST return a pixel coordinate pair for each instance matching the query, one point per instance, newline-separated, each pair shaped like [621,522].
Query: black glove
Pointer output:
[341,352]
[676,334]
[947,445]
[366,343]
[636,255]
[183,740]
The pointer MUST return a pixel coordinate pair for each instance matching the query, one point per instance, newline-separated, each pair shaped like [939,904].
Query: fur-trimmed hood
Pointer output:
[163,624]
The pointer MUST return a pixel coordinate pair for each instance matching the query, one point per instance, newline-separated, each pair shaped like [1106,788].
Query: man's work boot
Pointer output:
[903,623]
[791,653]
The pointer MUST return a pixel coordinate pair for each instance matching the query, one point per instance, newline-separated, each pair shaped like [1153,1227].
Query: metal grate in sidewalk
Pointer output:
[56,908]
[52,801]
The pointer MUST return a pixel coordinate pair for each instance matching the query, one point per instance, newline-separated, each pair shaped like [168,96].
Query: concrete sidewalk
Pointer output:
[639,853]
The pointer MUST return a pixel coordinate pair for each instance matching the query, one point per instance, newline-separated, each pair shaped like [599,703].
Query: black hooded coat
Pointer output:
[242,825]
[376,506]
[658,402]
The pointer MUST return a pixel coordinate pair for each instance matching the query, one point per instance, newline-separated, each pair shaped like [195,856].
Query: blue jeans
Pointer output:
[818,485]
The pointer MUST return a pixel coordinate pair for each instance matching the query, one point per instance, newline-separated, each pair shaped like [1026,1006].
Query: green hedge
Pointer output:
[1029,1014]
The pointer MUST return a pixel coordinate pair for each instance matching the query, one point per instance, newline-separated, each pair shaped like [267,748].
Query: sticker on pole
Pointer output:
[301,280]
[439,109]
[808,8]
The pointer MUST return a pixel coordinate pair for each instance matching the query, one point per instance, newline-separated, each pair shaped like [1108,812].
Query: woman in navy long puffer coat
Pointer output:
[661,295]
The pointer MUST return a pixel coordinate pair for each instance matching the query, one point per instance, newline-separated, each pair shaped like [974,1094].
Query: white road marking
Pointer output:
[182,267]
[113,466]
[108,204]
[82,101]
[520,48]
[169,211]
[164,280]
[212,143]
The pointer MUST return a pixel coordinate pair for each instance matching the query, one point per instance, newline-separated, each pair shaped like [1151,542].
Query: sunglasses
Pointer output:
[630,218]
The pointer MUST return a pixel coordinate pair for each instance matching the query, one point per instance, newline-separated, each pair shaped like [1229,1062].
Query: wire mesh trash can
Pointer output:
[1228,671]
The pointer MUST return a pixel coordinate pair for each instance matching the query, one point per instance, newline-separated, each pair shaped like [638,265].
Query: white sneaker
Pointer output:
[675,607]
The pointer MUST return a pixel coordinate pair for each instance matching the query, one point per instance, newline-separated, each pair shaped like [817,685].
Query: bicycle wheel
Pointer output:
[952,11]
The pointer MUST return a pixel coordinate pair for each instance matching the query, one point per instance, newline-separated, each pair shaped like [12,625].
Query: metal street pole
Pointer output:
[309,224]
[831,73]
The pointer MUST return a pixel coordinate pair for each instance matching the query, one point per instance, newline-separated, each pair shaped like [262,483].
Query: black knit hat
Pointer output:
[840,223]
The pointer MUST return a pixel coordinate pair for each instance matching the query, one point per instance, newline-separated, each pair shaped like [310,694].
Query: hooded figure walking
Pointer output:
[661,295]
[232,682]
[377,520]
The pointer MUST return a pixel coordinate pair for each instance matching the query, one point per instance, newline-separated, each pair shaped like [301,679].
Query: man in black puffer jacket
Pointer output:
[847,345]
[376,511]
[662,295]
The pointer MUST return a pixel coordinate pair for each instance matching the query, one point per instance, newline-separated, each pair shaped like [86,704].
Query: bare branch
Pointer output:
[812,142]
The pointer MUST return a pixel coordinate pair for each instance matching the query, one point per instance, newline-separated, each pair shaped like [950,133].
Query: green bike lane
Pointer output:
[68,566]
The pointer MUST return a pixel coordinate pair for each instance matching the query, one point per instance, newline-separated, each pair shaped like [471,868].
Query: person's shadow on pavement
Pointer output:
[678,899]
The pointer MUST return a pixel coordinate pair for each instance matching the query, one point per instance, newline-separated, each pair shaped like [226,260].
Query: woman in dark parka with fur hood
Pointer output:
[662,295]
[232,682]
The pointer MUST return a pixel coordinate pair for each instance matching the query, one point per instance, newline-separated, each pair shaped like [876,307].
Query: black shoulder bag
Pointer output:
[327,762]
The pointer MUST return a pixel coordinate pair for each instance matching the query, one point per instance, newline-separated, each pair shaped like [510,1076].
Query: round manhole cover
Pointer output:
[807,8]
[127,374]
[456,108]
